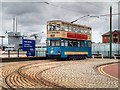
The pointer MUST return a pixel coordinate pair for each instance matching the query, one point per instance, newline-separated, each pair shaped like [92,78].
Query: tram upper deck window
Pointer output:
[48,27]
[70,28]
[82,31]
[63,27]
[74,29]
[66,28]
[58,27]
[51,27]
[87,31]
[79,31]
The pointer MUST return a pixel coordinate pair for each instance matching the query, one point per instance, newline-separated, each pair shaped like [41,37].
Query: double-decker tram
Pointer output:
[67,40]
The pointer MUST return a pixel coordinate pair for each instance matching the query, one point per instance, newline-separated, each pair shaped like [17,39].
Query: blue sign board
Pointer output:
[29,46]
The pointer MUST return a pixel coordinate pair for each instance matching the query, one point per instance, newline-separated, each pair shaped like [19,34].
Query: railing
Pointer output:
[40,53]
[97,55]
[106,53]
[116,56]
[13,54]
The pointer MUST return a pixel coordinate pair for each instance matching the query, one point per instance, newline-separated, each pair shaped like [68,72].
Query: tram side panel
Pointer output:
[68,51]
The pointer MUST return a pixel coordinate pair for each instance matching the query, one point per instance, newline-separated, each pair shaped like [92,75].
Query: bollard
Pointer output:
[8,53]
[114,57]
[102,56]
[18,52]
[93,56]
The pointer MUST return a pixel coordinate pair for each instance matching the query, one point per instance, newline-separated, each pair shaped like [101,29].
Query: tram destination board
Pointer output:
[29,46]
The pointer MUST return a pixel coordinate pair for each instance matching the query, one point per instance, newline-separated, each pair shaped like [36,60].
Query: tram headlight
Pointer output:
[52,51]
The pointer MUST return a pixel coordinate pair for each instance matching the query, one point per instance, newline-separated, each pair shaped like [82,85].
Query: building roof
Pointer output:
[108,33]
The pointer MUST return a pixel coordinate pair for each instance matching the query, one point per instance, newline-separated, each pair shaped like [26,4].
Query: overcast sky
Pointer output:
[32,15]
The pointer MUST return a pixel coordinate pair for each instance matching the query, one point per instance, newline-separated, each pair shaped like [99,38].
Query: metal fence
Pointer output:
[104,48]
[106,53]
[41,52]
[10,53]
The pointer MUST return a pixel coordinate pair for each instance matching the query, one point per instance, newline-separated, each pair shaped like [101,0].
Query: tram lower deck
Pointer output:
[68,48]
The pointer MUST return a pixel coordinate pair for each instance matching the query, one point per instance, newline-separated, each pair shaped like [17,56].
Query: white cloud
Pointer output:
[33,17]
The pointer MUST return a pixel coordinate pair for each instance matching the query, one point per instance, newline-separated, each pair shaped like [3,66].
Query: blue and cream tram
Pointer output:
[67,40]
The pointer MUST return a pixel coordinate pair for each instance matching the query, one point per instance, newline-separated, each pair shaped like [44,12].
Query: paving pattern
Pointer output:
[56,74]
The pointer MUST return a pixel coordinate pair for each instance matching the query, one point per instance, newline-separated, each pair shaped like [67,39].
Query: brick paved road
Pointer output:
[56,74]
[80,74]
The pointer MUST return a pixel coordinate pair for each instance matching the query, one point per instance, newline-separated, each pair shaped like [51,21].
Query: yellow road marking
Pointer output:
[100,69]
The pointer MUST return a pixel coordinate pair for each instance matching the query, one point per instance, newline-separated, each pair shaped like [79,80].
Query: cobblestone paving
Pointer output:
[56,74]
[80,74]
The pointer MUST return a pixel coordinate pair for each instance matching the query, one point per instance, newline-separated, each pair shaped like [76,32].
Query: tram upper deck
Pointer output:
[61,29]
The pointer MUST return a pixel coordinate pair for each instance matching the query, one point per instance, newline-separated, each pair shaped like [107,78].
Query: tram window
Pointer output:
[62,42]
[70,43]
[52,43]
[70,28]
[85,31]
[86,44]
[75,43]
[79,30]
[74,29]
[90,31]
[89,44]
[82,43]
[63,27]
[49,27]
[58,27]
[66,28]
[78,44]
[52,27]
[82,31]
[48,42]
[66,43]
[57,43]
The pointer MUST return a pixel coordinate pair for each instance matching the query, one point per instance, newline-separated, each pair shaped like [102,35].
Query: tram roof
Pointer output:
[69,23]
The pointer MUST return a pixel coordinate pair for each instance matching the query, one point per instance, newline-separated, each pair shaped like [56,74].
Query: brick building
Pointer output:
[115,37]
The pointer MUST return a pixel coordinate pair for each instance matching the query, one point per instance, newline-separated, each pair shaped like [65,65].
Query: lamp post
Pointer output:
[110,32]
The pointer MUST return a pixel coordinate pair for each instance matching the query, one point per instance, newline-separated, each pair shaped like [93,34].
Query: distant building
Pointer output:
[14,41]
[115,37]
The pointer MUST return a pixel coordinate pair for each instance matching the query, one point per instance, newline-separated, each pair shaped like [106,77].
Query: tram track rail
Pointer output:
[55,74]
[19,79]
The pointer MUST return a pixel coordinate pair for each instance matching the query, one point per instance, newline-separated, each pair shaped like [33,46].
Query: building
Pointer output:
[14,41]
[115,37]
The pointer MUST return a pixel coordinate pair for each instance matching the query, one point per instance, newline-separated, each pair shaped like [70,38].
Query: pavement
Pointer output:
[111,70]
[56,74]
